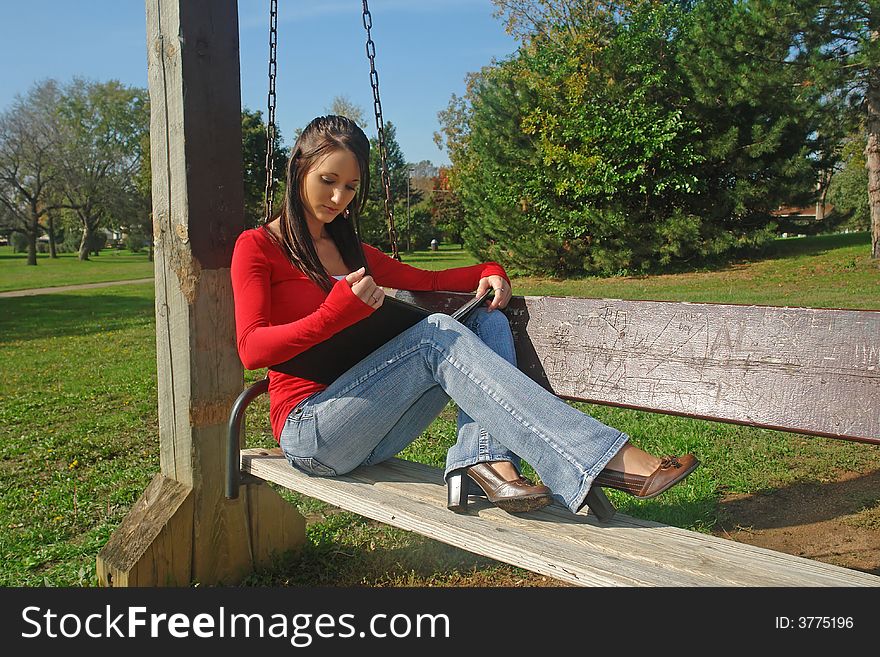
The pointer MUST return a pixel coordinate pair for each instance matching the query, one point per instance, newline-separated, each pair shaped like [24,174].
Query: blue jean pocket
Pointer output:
[311,465]
[299,442]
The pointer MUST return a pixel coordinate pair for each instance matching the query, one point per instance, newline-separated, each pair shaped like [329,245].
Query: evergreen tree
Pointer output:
[630,135]
[253,147]
[840,47]
[374,222]
[567,157]
[765,139]
[446,209]
[831,52]
[847,189]
[495,166]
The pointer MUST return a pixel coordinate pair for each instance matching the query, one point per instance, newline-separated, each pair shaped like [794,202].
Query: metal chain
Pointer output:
[377,106]
[269,193]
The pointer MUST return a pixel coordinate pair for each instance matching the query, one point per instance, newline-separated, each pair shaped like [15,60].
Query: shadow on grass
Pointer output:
[803,503]
[60,315]
[778,249]
[811,245]
[833,521]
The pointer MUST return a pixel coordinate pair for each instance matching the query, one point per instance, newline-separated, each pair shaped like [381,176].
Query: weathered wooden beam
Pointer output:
[808,370]
[198,211]
[153,545]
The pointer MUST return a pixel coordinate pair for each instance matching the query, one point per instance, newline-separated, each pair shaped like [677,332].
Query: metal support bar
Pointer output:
[233,442]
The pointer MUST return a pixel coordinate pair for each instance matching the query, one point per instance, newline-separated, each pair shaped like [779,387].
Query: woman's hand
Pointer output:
[503,292]
[365,288]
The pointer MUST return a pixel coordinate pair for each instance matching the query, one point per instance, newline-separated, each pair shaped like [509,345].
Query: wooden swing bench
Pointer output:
[806,370]
[803,370]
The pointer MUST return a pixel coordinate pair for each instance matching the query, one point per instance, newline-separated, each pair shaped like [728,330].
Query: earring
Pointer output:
[346,213]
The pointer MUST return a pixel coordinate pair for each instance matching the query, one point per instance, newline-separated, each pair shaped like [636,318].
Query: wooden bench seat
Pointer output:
[805,370]
[578,549]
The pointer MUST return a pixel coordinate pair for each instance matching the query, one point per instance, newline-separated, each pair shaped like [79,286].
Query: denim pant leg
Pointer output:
[567,448]
[335,430]
[369,414]
[414,421]
[474,444]
[493,329]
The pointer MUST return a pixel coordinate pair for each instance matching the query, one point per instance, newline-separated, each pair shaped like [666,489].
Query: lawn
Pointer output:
[67,269]
[825,271]
[78,426]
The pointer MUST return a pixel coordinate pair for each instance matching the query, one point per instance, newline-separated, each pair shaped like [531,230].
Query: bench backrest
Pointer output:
[808,370]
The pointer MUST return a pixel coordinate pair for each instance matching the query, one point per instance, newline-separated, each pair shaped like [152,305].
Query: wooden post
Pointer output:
[183,529]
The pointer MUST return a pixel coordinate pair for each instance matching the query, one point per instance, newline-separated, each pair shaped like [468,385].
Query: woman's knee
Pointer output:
[442,321]
[495,320]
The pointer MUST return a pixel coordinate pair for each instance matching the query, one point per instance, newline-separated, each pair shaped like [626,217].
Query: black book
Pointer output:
[324,362]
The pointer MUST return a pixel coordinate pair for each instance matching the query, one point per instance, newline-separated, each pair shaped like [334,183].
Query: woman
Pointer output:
[305,275]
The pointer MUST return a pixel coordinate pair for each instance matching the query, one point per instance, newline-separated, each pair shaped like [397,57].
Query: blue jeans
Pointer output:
[387,400]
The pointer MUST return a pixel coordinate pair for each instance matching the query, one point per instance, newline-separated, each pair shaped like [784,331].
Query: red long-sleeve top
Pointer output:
[280,312]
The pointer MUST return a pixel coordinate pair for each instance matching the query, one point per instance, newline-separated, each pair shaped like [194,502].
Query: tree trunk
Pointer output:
[32,249]
[50,222]
[32,242]
[86,242]
[824,184]
[872,149]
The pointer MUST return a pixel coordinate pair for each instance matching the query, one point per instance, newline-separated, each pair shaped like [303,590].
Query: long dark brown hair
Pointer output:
[322,136]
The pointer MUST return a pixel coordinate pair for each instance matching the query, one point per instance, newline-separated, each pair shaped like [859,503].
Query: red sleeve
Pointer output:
[261,344]
[389,272]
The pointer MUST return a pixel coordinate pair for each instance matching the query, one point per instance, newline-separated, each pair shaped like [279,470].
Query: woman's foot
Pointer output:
[640,474]
[501,483]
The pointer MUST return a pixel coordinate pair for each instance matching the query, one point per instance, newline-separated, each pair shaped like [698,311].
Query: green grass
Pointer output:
[67,269]
[78,428]
[447,256]
[824,271]
[829,271]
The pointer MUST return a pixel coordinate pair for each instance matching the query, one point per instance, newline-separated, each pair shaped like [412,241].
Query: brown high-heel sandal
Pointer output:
[517,496]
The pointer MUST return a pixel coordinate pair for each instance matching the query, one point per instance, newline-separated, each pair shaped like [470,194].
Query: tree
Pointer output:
[102,124]
[493,160]
[558,21]
[52,231]
[869,71]
[342,106]
[833,49]
[374,223]
[424,170]
[253,146]
[30,142]
[847,190]
[446,209]
[556,185]
[420,230]
[630,135]
[139,226]
[767,138]
[840,49]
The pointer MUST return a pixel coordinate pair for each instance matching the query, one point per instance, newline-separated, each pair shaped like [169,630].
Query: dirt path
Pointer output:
[67,288]
[837,522]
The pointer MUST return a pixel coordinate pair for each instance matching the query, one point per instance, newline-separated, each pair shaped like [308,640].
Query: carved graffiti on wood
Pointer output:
[799,369]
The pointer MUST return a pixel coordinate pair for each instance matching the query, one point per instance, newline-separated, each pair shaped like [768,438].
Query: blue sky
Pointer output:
[424,49]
